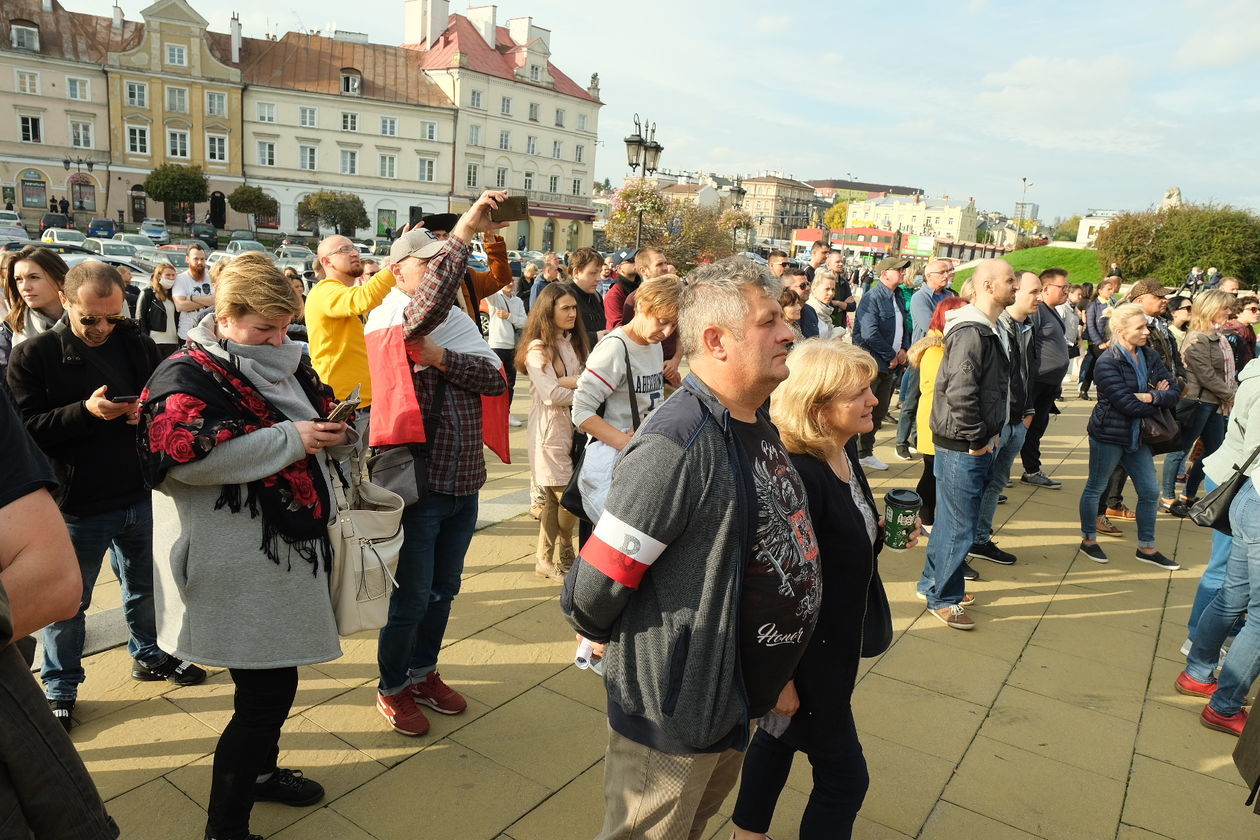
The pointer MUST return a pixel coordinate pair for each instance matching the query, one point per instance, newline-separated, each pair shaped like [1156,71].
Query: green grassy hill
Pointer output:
[1081,264]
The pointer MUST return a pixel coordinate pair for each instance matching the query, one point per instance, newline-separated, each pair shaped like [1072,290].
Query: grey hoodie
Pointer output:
[1243,432]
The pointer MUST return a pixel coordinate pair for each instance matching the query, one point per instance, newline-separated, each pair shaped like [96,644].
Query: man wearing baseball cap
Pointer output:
[626,282]
[879,328]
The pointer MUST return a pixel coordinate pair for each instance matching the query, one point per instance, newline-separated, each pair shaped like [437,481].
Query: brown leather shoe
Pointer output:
[1122,512]
[954,616]
[1106,526]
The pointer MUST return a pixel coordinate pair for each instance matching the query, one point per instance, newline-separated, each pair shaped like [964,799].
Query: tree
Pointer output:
[837,216]
[252,201]
[342,211]
[1065,231]
[174,183]
[1166,244]
[737,222]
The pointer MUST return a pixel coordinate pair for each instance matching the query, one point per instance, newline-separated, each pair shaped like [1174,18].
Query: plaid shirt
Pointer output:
[456,464]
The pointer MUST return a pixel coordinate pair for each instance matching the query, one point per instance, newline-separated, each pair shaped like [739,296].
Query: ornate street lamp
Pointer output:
[643,149]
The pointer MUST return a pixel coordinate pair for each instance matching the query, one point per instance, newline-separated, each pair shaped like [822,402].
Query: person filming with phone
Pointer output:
[77,388]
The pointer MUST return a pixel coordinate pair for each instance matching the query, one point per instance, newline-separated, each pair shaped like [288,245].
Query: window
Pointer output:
[426,166]
[501,178]
[553,184]
[308,117]
[533,111]
[351,83]
[389,126]
[266,153]
[138,94]
[177,144]
[306,158]
[428,131]
[176,55]
[474,135]
[535,73]
[24,37]
[505,106]
[267,112]
[474,99]
[216,104]
[81,134]
[389,166]
[32,129]
[577,186]
[579,152]
[137,140]
[581,122]
[473,177]
[529,180]
[555,150]
[27,82]
[349,121]
[216,148]
[177,100]
[505,140]
[79,89]
[560,117]
[531,145]
[349,162]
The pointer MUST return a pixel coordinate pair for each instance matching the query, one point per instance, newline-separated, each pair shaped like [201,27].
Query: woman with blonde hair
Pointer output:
[824,404]
[229,430]
[155,310]
[1210,381]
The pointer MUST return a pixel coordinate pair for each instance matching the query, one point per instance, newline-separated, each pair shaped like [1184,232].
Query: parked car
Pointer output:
[63,235]
[12,216]
[240,246]
[241,234]
[214,256]
[102,228]
[55,220]
[176,255]
[12,228]
[156,230]
[378,245]
[207,233]
[110,247]
[364,250]
[137,239]
[55,247]
[298,257]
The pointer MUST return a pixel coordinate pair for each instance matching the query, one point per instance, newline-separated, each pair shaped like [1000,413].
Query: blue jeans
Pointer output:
[1207,423]
[1012,442]
[960,479]
[1140,465]
[1239,594]
[436,535]
[127,534]
[909,407]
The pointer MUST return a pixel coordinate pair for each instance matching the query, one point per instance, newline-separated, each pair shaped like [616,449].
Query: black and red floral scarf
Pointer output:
[195,401]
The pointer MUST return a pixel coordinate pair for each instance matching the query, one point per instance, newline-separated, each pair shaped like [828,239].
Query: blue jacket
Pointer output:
[923,307]
[1096,323]
[874,327]
[809,321]
[1117,409]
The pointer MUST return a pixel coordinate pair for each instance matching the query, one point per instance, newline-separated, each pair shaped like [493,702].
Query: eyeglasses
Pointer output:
[947,271]
[90,320]
[1182,309]
[803,285]
[346,249]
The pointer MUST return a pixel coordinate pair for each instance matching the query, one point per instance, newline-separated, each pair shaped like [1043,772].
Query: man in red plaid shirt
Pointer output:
[437,529]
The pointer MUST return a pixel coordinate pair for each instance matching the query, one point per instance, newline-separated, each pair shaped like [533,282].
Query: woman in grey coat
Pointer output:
[229,431]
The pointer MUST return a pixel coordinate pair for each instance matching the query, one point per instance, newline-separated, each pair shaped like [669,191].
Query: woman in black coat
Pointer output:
[819,411]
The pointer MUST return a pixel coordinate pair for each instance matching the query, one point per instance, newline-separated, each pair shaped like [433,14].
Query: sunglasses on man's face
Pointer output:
[90,320]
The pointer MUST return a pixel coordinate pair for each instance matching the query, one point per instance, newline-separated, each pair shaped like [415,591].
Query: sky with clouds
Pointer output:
[1097,104]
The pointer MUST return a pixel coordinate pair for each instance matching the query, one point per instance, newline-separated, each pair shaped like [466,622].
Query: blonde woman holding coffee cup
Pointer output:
[824,404]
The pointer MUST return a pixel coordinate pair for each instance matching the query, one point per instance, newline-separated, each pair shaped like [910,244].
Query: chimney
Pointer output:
[425,21]
[118,17]
[519,28]
[916,198]
[235,27]
[482,17]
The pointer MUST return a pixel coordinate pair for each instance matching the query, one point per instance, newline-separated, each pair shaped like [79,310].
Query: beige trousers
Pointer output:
[556,526]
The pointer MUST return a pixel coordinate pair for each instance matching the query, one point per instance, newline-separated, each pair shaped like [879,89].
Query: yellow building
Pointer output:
[778,205]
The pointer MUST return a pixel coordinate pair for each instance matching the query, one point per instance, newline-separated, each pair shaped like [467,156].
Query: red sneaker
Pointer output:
[1187,684]
[437,694]
[401,712]
[1233,724]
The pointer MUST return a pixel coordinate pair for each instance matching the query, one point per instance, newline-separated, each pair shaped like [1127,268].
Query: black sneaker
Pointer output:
[289,787]
[1083,395]
[62,711]
[1002,499]
[968,572]
[990,551]
[1094,552]
[1157,559]
[903,452]
[173,670]
[1040,479]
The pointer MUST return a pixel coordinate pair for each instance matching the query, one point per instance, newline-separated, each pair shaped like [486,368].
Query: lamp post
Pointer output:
[78,164]
[643,149]
[737,201]
[1023,199]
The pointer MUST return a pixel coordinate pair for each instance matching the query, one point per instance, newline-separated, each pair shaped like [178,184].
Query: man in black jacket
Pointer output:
[77,387]
[969,412]
[1052,348]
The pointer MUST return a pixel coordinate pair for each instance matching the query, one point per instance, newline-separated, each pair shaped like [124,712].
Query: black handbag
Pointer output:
[1212,511]
[571,498]
[404,469]
[1161,431]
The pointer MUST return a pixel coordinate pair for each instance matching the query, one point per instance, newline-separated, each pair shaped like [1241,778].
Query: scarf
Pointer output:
[195,401]
[1137,359]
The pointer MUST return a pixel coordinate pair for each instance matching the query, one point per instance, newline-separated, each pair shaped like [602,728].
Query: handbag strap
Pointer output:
[634,403]
[1254,452]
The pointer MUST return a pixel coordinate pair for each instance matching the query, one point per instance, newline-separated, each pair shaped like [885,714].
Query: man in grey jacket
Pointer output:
[702,575]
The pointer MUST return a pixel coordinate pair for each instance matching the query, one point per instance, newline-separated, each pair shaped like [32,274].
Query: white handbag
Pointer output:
[366,539]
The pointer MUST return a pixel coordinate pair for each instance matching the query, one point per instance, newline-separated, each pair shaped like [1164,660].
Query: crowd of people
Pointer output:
[696,523]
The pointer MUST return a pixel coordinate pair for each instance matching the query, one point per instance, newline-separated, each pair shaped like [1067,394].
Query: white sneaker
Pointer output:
[514,422]
[870,462]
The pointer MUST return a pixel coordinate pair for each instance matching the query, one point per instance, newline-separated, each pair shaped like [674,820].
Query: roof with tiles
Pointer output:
[678,189]
[461,37]
[70,35]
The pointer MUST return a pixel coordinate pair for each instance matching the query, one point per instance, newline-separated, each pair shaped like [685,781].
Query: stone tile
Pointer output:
[326,824]
[971,676]
[930,722]
[303,746]
[1087,683]
[1175,736]
[949,822]
[1162,687]
[496,595]
[583,686]
[1125,609]
[458,802]
[109,687]
[1172,635]
[492,547]
[540,624]
[494,667]
[905,784]
[211,702]
[1129,832]
[357,663]
[1002,632]
[1108,643]
[140,743]
[353,718]
[1036,794]
[576,810]
[156,811]
[540,723]
[1160,796]
[1062,731]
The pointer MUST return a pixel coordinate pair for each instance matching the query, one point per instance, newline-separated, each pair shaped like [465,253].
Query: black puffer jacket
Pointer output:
[1118,410]
[970,406]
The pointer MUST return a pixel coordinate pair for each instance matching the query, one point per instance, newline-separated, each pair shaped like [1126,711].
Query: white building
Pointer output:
[1091,224]
[940,217]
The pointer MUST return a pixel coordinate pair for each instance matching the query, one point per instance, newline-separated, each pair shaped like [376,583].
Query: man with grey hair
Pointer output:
[880,329]
[650,590]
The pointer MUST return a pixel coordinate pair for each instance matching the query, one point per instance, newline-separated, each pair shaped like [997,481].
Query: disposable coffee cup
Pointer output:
[901,508]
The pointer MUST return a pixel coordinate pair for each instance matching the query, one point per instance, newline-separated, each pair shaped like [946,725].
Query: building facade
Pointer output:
[779,205]
[939,217]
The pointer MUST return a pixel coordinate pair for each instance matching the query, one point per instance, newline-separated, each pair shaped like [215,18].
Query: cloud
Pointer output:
[1228,39]
[774,23]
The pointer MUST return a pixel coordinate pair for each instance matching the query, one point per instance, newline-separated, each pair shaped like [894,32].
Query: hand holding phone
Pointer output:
[126,398]
[512,209]
[345,408]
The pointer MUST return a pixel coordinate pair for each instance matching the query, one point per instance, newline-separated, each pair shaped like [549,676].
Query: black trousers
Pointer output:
[1044,394]
[1114,496]
[883,388]
[926,488]
[508,357]
[249,745]
[840,783]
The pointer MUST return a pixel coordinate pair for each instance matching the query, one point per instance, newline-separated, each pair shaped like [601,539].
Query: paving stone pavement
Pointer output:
[1056,718]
